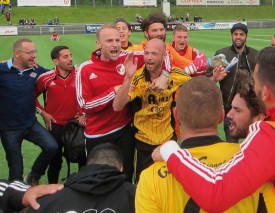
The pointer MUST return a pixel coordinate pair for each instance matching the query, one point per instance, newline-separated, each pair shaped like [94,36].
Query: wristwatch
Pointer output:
[165,73]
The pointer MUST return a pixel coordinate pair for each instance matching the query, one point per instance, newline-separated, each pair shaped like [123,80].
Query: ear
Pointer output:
[120,168]
[173,38]
[266,93]
[259,117]
[130,33]
[16,53]
[221,116]
[55,61]
[175,113]
[145,33]
[98,44]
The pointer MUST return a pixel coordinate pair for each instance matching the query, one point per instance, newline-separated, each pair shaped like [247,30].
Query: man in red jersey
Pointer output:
[249,168]
[97,81]
[60,102]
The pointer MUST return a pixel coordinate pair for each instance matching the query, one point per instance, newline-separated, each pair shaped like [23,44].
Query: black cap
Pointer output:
[239,26]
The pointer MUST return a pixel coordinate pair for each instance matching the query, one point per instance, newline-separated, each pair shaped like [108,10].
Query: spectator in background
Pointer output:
[187,17]
[26,21]
[9,8]
[32,21]
[50,22]
[21,21]
[56,20]
[18,120]
[273,41]
[139,18]
[55,37]
[8,17]
[2,9]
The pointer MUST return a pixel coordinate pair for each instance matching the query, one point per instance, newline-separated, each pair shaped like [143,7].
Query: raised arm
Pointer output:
[122,98]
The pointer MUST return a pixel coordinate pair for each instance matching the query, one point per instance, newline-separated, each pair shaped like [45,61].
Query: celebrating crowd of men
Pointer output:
[126,98]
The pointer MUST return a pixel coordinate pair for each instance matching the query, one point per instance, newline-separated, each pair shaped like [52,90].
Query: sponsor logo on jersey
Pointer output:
[52,84]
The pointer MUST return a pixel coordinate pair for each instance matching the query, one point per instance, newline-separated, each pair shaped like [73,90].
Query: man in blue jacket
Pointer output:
[17,111]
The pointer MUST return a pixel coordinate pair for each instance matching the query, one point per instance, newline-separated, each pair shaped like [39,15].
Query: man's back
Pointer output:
[96,188]
[158,191]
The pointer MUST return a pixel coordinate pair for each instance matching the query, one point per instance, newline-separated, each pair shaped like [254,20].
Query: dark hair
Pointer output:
[153,18]
[55,51]
[105,154]
[124,21]
[265,63]
[247,92]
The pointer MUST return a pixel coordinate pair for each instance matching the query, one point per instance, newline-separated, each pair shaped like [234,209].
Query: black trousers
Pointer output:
[56,163]
[124,140]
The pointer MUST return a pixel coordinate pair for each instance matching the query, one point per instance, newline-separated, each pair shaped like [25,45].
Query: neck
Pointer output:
[190,133]
[240,50]
[155,73]
[19,65]
[63,73]
[124,45]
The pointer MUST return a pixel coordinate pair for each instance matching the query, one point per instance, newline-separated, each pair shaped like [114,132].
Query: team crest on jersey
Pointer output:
[120,69]
[33,74]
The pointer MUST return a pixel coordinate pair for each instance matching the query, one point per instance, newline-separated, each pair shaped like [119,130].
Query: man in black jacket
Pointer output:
[98,186]
[242,70]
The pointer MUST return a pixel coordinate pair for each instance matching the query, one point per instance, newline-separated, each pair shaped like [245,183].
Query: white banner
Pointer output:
[140,3]
[8,31]
[44,3]
[218,2]
[208,25]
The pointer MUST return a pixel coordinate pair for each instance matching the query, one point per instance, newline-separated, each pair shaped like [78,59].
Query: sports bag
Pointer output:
[74,142]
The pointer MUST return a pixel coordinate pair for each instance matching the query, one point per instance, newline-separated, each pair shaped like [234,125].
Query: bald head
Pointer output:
[154,53]
[156,43]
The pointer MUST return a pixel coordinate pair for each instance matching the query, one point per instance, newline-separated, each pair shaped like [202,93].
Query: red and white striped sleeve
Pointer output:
[217,190]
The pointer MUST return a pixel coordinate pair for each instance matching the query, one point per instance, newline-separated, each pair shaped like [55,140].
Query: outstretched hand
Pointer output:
[130,65]
[30,196]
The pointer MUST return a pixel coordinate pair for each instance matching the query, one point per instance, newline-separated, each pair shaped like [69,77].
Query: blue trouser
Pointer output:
[12,143]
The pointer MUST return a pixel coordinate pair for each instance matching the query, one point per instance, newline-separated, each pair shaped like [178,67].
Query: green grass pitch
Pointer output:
[81,47]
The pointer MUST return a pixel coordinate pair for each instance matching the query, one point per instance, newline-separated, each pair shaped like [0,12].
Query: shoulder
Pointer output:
[223,50]
[139,76]
[85,65]
[252,50]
